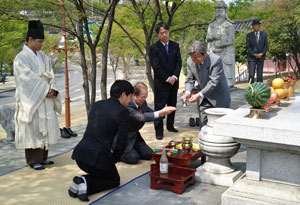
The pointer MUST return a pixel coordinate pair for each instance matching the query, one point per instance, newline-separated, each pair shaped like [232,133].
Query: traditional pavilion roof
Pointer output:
[243,25]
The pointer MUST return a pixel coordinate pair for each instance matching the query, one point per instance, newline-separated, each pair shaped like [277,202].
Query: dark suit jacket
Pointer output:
[253,47]
[136,122]
[108,119]
[165,65]
[211,79]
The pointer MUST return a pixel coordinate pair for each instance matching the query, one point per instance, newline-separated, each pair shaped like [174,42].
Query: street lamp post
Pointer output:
[66,132]
[67,96]
[65,49]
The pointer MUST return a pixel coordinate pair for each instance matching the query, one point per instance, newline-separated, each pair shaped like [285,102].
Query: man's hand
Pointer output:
[166,110]
[185,96]
[260,55]
[194,98]
[172,80]
[51,93]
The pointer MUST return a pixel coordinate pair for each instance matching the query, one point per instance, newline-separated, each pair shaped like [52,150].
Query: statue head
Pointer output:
[221,11]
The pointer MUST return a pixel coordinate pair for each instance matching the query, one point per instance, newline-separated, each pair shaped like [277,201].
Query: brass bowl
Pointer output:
[172,143]
[187,146]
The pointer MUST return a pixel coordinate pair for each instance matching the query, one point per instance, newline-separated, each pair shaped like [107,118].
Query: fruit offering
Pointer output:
[195,147]
[257,94]
[280,86]
[292,77]
[273,98]
[277,83]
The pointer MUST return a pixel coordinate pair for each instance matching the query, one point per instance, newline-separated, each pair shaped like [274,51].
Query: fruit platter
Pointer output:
[262,97]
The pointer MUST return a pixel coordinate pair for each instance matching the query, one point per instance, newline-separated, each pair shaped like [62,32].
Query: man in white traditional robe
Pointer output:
[37,101]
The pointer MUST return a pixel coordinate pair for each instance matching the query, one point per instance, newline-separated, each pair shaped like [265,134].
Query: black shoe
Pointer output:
[64,133]
[172,129]
[159,137]
[197,121]
[47,162]
[192,122]
[37,166]
[73,134]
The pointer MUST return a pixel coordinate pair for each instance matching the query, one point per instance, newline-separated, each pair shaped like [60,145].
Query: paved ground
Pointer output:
[136,192]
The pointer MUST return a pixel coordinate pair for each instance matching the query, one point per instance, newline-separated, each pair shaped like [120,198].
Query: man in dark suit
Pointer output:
[139,113]
[165,60]
[207,69]
[257,46]
[96,154]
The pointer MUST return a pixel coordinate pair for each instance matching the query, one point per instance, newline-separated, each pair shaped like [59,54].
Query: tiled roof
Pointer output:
[243,25]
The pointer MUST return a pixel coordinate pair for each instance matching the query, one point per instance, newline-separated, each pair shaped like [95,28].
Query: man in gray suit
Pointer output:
[139,113]
[207,69]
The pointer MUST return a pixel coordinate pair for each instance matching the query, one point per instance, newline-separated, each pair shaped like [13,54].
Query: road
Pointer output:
[75,84]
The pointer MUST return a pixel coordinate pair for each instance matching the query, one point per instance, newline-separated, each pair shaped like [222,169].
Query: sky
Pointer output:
[228,1]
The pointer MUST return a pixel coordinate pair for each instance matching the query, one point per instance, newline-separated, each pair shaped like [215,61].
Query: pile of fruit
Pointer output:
[292,77]
[279,89]
[259,94]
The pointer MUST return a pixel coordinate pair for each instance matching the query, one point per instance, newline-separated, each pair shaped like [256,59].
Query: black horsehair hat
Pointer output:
[35,30]
[255,21]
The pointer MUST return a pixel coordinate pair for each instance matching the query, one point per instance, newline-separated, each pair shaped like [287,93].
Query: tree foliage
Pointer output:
[283,31]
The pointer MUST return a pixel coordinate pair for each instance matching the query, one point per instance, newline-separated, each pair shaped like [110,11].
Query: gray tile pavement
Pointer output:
[138,190]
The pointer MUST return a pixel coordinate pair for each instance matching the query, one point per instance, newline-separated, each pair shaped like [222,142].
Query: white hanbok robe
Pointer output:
[36,122]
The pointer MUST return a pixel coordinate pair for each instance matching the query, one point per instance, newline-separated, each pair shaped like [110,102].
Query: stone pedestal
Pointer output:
[218,169]
[273,154]
[250,192]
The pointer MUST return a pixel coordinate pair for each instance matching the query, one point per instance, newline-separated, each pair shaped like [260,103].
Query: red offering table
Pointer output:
[182,158]
[177,179]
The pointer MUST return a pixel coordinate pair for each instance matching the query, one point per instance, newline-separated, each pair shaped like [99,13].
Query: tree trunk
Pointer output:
[149,71]
[94,74]
[103,85]
[125,69]
[84,69]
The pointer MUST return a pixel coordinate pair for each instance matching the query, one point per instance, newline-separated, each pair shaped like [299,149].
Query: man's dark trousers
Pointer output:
[257,66]
[163,97]
[98,179]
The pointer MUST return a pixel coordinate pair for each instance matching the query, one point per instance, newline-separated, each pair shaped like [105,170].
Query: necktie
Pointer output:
[256,35]
[166,47]
[140,109]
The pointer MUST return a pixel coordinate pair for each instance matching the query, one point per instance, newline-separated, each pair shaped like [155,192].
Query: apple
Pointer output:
[273,98]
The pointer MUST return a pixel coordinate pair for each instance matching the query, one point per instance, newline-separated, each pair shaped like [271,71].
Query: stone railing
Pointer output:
[243,75]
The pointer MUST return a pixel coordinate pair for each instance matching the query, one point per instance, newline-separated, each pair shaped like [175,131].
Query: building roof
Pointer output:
[243,25]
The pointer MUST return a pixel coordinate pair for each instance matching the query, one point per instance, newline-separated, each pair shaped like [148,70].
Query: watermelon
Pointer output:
[257,94]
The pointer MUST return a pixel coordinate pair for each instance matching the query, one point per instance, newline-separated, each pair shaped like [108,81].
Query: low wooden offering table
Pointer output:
[179,176]
[177,180]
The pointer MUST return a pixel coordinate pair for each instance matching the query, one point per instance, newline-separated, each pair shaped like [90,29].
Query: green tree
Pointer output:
[12,36]
[147,13]
[283,31]
[190,24]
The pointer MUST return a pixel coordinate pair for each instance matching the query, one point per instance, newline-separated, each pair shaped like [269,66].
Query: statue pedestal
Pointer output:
[273,155]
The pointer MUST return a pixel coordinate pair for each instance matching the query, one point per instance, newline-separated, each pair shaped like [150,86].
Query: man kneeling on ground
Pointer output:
[96,154]
[139,113]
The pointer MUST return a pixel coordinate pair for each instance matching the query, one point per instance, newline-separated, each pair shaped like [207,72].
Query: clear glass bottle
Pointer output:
[163,163]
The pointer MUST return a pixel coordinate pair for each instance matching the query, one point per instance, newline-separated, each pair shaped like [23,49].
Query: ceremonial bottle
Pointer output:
[163,163]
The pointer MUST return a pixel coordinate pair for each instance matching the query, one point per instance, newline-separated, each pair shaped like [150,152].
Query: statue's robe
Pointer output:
[220,38]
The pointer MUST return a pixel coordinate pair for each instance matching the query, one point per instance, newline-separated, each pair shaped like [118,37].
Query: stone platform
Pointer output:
[273,154]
